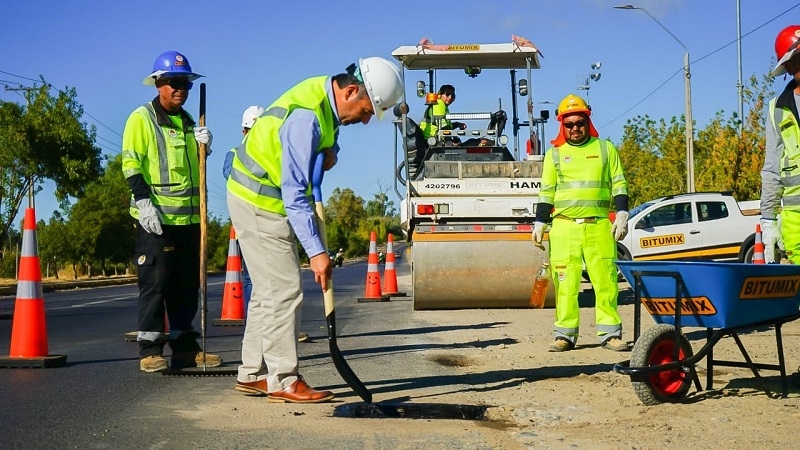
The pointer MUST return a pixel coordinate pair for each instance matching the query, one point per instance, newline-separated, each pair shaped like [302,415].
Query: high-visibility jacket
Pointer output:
[256,171]
[429,126]
[786,124]
[580,181]
[164,151]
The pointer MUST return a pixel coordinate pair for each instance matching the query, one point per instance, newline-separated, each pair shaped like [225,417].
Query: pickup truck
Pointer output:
[696,226]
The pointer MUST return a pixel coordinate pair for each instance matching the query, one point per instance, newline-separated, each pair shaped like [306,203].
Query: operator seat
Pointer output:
[414,142]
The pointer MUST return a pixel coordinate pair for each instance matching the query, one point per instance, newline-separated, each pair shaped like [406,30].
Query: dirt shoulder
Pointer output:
[575,399]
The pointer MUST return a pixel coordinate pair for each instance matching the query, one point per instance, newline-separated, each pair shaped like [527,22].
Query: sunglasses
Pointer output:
[178,83]
[578,123]
[449,94]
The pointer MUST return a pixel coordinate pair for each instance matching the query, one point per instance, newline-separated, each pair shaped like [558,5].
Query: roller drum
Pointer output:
[454,272]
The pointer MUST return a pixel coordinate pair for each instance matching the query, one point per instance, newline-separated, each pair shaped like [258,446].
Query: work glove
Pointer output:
[620,227]
[538,233]
[203,136]
[771,236]
[148,216]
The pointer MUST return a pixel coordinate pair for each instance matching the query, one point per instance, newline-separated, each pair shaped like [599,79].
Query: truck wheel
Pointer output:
[657,346]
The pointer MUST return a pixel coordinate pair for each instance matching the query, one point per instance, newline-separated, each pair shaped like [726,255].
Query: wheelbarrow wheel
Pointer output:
[657,346]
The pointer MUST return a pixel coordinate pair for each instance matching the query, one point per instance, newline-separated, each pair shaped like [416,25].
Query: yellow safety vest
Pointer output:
[428,125]
[786,124]
[580,181]
[166,155]
[256,170]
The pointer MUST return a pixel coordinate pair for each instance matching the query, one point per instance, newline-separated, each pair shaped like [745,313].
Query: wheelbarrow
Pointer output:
[724,298]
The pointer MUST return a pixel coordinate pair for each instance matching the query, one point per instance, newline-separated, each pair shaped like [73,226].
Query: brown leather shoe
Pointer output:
[300,392]
[258,387]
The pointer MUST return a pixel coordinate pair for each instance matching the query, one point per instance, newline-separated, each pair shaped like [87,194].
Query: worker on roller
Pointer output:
[440,108]
[581,177]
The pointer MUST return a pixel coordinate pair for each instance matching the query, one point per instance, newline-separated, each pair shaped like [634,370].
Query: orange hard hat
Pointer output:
[785,47]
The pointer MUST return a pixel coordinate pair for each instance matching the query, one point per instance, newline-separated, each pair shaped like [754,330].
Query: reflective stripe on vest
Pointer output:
[787,127]
[177,206]
[256,169]
[573,194]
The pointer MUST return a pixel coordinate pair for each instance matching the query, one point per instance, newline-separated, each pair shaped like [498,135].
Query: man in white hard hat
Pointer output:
[248,120]
[270,202]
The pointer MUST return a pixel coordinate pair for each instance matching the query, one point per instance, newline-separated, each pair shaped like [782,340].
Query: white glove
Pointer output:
[620,227]
[770,236]
[148,216]
[538,233]
[203,136]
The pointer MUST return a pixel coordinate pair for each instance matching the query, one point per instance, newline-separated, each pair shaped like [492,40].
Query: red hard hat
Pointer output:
[785,46]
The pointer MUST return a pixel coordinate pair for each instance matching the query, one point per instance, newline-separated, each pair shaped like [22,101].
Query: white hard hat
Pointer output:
[250,115]
[383,82]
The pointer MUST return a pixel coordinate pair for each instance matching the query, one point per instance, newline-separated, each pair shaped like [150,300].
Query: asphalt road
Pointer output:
[100,399]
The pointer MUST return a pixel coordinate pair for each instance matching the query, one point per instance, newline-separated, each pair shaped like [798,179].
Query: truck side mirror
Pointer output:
[523,87]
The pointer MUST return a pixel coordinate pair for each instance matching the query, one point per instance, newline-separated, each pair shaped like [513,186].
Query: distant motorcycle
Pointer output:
[338,259]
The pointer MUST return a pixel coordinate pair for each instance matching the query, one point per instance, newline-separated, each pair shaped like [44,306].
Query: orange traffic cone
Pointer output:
[372,291]
[28,330]
[233,294]
[389,272]
[758,247]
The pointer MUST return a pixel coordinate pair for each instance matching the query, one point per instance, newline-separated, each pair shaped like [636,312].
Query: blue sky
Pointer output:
[251,51]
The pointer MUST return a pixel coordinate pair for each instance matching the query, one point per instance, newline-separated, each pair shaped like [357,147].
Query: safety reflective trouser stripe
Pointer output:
[571,244]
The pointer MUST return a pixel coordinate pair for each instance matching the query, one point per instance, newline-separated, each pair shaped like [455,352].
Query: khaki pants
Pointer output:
[269,345]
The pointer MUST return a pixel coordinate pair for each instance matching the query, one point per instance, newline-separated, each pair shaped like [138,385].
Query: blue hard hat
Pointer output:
[171,64]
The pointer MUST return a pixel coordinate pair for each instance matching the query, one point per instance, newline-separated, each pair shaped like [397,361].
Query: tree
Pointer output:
[44,140]
[653,152]
[100,223]
[344,213]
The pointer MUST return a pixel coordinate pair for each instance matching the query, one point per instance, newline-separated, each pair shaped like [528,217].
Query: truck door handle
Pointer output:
[694,232]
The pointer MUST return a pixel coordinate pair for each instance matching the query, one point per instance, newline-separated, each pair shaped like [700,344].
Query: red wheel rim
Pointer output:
[667,382]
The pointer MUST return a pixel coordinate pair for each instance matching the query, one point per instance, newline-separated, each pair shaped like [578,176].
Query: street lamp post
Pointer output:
[688,90]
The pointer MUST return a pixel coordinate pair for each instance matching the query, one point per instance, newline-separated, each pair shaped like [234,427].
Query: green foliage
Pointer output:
[653,152]
[218,237]
[44,140]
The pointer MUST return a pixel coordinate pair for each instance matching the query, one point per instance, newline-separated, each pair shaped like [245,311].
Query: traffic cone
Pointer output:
[758,247]
[28,329]
[233,293]
[389,272]
[372,290]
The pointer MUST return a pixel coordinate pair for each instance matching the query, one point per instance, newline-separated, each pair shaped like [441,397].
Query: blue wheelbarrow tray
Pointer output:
[716,295]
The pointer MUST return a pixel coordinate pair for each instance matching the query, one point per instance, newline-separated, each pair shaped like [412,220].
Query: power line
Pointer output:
[62,92]
[695,61]
[20,76]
